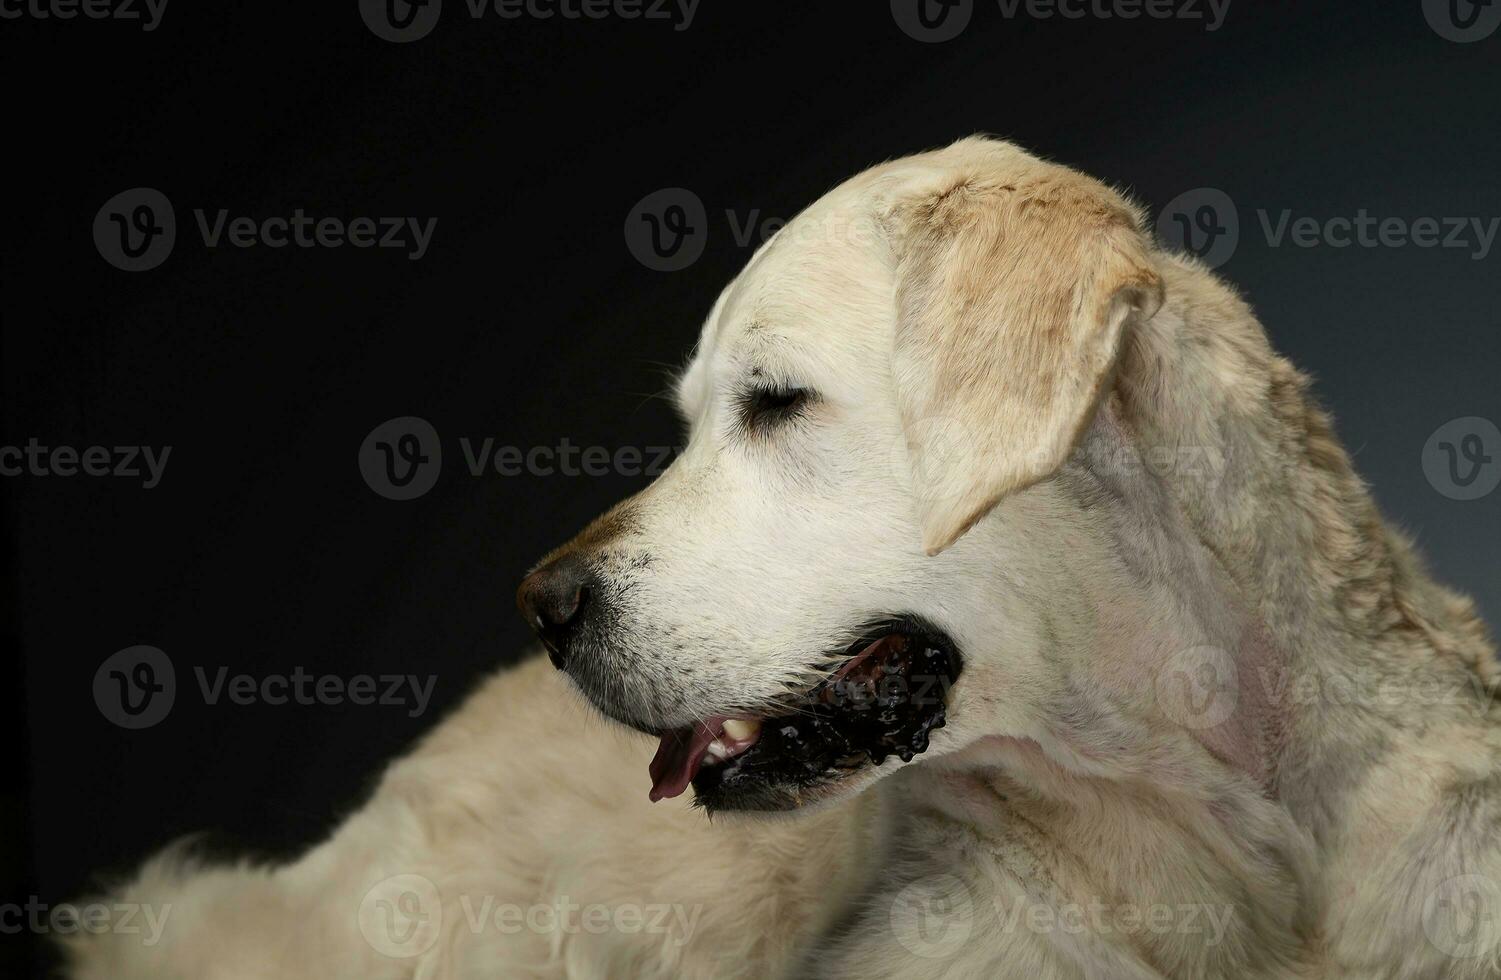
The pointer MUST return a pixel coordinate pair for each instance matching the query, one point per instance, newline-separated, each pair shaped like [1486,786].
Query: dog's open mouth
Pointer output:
[885,699]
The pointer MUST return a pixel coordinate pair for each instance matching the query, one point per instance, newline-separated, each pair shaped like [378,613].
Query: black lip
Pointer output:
[840,729]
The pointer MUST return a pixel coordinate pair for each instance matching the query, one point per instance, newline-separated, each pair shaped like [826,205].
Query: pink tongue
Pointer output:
[679,756]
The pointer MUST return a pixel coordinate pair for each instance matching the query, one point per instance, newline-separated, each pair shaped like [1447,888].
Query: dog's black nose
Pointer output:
[553,599]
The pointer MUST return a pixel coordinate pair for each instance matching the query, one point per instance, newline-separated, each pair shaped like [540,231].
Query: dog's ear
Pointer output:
[1012,299]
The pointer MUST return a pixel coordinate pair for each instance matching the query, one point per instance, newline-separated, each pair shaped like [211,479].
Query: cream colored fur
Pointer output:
[1079,456]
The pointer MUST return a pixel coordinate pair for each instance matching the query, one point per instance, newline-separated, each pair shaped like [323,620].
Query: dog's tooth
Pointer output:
[717,750]
[740,729]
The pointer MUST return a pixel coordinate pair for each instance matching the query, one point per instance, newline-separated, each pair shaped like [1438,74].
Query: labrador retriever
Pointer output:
[1012,611]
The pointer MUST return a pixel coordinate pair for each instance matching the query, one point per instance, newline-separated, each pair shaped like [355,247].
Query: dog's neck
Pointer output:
[1349,629]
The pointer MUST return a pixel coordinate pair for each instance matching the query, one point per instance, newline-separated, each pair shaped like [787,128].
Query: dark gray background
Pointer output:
[529,320]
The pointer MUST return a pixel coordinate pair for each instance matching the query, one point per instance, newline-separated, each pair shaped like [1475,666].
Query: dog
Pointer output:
[1012,611]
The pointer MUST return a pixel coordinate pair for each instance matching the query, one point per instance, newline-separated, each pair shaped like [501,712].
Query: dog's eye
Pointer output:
[762,408]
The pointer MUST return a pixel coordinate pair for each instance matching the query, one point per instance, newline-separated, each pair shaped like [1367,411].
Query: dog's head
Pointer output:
[872,545]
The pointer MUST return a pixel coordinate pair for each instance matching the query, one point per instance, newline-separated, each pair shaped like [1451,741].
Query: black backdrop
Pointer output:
[529,320]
